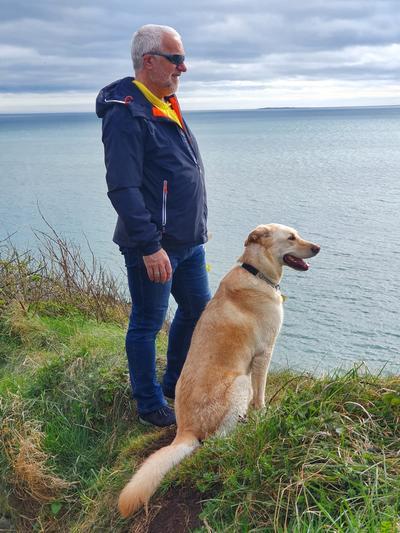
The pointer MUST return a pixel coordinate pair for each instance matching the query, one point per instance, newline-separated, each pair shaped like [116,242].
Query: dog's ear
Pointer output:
[257,234]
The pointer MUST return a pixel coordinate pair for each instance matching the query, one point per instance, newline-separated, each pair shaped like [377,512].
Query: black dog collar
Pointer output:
[260,275]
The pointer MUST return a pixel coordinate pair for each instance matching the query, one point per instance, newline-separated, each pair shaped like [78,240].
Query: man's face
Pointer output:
[163,74]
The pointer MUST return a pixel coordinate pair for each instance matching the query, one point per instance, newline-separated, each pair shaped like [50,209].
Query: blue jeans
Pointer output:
[189,287]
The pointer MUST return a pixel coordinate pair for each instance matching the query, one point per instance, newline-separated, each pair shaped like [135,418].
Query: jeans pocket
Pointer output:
[132,256]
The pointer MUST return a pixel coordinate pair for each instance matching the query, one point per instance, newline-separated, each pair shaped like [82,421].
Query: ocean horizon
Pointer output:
[263,108]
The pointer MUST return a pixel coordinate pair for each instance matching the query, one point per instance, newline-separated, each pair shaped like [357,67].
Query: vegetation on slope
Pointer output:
[324,456]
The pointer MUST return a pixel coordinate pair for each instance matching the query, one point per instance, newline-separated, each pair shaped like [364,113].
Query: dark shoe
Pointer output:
[169,394]
[162,417]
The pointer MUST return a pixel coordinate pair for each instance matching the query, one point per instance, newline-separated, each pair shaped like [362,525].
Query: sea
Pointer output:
[332,173]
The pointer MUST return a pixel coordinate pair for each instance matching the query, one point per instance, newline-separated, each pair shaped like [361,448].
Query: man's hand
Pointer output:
[158,266]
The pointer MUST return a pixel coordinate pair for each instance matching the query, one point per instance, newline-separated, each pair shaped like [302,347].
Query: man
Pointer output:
[155,181]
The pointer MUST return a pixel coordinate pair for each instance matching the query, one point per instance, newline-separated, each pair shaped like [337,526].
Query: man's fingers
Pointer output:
[165,271]
[153,272]
[168,270]
[160,275]
[157,274]
[158,267]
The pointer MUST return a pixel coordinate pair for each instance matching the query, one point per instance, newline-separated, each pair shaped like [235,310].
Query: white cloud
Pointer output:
[17,53]
[342,47]
[288,93]
[54,102]
[226,95]
[386,57]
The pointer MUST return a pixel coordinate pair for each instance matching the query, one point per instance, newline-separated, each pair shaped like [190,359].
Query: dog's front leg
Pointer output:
[259,371]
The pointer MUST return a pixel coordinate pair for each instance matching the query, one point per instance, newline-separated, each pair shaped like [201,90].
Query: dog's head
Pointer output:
[283,245]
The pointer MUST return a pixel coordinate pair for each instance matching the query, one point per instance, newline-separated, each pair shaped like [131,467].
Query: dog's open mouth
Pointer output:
[295,262]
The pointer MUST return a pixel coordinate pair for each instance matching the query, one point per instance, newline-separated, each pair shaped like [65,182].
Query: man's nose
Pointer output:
[182,67]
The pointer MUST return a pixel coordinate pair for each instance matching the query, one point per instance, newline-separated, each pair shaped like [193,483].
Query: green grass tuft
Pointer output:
[325,457]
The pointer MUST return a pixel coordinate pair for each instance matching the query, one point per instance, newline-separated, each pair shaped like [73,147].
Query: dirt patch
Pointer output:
[175,512]
[165,437]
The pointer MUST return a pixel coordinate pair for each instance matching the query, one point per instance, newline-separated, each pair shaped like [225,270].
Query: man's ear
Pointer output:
[147,61]
[257,234]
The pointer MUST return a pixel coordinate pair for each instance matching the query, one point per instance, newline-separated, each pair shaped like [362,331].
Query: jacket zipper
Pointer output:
[188,146]
[164,206]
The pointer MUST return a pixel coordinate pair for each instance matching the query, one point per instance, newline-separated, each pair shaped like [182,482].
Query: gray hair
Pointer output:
[148,39]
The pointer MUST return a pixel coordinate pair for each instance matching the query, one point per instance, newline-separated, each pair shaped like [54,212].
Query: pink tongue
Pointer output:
[295,262]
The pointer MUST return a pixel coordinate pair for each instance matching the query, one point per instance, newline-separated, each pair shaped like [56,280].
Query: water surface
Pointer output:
[333,174]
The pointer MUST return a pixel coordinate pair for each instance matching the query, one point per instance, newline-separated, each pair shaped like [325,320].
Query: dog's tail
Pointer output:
[146,480]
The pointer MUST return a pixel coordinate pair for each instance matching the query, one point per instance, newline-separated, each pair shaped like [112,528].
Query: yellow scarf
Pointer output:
[162,105]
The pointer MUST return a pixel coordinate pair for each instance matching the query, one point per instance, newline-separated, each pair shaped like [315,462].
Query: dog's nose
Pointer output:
[315,249]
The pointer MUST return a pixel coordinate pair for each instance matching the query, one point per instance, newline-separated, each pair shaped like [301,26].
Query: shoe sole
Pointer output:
[146,423]
[169,399]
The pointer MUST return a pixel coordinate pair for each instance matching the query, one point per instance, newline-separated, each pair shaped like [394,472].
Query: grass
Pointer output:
[324,456]
[66,413]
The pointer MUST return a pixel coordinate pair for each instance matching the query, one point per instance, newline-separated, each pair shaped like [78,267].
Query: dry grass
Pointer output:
[57,279]
[29,473]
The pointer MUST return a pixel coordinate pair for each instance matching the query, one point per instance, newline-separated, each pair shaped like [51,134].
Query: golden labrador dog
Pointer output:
[230,352]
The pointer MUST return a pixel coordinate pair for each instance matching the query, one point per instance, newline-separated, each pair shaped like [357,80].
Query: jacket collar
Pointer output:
[124,92]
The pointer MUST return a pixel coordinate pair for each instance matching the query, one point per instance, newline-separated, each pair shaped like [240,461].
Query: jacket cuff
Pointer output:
[150,248]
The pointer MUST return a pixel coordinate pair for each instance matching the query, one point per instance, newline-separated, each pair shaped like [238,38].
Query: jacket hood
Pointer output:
[120,92]
[124,92]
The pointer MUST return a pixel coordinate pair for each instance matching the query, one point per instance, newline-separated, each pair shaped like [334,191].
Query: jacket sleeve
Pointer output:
[123,141]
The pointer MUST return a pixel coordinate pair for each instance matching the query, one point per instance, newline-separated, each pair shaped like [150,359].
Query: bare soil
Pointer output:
[177,511]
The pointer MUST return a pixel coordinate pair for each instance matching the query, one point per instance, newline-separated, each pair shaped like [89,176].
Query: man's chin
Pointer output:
[174,86]
[171,89]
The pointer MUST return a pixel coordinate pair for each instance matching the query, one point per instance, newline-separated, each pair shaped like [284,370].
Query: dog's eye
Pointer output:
[292,237]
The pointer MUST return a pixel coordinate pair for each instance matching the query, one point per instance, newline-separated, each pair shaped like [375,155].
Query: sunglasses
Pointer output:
[176,59]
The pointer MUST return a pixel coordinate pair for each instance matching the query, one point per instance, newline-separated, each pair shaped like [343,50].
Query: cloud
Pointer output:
[17,53]
[47,102]
[76,47]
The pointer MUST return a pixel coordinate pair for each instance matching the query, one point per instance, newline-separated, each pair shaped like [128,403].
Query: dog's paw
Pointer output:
[243,419]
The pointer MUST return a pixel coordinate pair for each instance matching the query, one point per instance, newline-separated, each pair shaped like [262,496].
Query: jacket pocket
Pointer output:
[164,205]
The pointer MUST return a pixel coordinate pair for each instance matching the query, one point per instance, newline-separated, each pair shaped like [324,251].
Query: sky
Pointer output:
[56,55]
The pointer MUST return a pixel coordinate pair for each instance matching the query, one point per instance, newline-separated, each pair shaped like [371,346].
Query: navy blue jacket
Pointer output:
[155,175]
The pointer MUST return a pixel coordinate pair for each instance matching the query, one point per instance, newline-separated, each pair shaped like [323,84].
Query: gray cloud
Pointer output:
[59,46]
